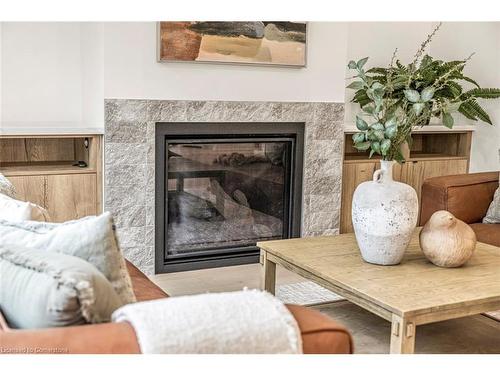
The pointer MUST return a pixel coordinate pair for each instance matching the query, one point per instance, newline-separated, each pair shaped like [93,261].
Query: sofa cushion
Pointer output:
[14,210]
[91,238]
[487,233]
[144,289]
[43,289]
[493,214]
[6,187]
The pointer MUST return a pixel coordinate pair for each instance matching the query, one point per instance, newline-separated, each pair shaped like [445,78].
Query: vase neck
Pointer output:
[386,168]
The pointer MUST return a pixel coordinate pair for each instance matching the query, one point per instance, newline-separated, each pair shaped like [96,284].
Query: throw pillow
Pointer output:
[14,210]
[91,238]
[493,214]
[43,289]
[6,187]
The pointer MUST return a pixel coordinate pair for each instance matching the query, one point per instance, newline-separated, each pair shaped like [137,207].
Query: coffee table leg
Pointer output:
[402,336]
[268,273]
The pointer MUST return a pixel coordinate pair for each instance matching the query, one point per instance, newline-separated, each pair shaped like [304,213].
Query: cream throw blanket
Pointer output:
[246,322]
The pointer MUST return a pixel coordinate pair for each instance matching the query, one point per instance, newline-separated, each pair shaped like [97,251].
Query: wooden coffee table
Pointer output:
[412,293]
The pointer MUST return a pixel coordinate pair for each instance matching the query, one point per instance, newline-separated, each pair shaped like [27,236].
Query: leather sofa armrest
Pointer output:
[320,335]
[107,338]
[466,196]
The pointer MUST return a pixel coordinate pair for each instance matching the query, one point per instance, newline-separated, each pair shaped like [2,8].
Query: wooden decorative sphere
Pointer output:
[447,241]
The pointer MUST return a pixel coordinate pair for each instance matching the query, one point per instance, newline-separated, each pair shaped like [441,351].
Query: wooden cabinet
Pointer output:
[66,197]
[71,196]
[431,155]
[44,173]
[424,169]
[352,175]
[30,188]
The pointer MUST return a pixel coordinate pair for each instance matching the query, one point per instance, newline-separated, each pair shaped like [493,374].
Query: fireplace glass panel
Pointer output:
[226,195]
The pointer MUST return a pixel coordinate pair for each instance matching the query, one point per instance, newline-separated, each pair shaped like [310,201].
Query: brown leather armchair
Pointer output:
[467,197]
[320,334]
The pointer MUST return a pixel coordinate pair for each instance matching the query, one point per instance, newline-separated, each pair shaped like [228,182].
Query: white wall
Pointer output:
[50,73]
[1,85]
[378,40]
[457,41]
[131,70]
[92,73]
[41,67]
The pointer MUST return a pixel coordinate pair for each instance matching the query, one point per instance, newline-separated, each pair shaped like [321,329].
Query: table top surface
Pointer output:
[413,287]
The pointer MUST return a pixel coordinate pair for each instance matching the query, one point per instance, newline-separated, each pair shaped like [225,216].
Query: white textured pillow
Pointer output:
[14,210]
[493,214]
[91,238]
[52,290]
[6,187]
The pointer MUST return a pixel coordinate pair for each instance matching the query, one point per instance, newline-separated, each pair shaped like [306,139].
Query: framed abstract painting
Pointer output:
[269,43]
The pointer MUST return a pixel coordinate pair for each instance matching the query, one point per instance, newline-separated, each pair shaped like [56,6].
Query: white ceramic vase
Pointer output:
[384,216]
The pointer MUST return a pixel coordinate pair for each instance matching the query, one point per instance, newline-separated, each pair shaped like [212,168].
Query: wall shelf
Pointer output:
[350,128]
[42,168]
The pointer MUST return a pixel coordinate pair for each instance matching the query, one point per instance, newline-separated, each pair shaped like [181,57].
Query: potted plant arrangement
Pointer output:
[394,101]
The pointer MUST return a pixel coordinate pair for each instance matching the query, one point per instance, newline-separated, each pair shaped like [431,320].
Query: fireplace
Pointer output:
[221,187]
[131,163]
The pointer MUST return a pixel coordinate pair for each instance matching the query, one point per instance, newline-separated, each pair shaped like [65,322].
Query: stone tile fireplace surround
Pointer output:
[130,161]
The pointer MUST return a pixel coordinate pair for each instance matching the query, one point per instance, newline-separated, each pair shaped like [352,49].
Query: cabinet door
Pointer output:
[30,188]
[422,170]
[400,172]
[71,196]
[352,175]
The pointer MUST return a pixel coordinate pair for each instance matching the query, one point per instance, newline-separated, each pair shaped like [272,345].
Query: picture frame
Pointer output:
[202,42]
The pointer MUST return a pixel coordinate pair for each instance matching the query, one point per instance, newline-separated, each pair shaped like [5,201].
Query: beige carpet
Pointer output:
[474,334]
[305,293]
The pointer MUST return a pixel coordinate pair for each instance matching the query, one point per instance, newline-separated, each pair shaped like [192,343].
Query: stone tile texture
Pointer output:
[129,165]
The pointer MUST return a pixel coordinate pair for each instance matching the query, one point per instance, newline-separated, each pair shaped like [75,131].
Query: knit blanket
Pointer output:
[245,322]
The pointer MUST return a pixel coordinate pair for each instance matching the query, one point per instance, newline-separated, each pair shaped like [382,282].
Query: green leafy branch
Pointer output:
[399,97]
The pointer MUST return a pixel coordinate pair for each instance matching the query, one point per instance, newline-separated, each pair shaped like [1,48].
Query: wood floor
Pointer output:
[224,279]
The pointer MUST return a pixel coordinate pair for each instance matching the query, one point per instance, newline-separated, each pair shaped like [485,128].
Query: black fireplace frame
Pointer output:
[227,131]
